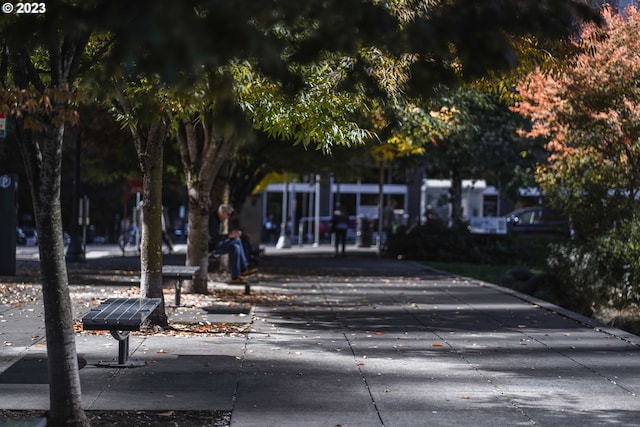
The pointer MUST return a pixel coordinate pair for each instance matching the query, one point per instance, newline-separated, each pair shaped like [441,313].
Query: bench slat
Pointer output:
[124,314]
[179,271]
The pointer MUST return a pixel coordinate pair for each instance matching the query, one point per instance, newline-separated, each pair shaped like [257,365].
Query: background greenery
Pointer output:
[595,277]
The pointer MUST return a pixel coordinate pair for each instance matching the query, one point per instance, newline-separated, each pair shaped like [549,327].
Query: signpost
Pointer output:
[488,225]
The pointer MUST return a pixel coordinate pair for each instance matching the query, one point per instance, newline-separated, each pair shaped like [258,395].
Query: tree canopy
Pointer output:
[46,58]
[590,114]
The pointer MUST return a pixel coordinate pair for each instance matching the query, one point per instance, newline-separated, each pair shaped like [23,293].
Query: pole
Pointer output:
[316,222]
[293,206]
[283,240]
[75,252]
[85,222]
[380,208]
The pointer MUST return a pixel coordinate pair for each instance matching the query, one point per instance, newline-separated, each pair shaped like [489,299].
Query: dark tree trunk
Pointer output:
[43,157]
[41,150]
[456,196]
[203,153]
[198,238]
[150,154]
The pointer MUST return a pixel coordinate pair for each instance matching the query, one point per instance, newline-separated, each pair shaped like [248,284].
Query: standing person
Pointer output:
[339,226]
[231,244]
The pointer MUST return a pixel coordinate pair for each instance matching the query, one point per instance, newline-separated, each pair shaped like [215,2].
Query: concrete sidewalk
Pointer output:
[363,341]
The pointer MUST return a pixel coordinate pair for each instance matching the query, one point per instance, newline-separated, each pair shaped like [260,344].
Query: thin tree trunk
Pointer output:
[202,154]
[198,239]
[150,154]
[43,157]
[456,196]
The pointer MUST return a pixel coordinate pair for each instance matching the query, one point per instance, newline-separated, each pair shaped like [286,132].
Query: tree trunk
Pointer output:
[198,238]
[202,153]
[43,157]
[42,154]
[150,154]
[456,196]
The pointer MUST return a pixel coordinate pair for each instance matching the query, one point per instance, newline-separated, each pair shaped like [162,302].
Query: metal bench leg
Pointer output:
[247,289]
[123,350]
[178,286]
[123,353]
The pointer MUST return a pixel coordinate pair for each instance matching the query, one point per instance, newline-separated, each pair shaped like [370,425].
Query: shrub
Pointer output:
[435,241]
[600,272]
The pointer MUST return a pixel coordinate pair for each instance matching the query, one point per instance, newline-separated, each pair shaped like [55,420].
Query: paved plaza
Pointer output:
[359,341]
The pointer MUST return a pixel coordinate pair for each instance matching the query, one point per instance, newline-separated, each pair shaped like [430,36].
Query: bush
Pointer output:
[600,272]
[435,241]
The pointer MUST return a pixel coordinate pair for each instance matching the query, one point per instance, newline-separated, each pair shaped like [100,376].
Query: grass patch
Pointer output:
[486,273]
[533,254]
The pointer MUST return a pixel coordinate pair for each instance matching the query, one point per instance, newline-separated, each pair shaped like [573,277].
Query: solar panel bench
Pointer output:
[120,316]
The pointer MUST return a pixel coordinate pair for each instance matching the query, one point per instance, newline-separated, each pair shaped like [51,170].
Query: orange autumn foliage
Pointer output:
[589,112]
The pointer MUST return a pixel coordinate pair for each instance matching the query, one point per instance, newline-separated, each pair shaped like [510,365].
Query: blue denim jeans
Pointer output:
[237,259]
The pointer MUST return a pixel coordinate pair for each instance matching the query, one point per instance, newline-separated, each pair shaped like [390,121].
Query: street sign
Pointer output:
[488,225]
[5,181]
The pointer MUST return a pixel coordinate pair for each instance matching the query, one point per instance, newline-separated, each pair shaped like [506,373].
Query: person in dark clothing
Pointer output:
[231,244]
[339,226]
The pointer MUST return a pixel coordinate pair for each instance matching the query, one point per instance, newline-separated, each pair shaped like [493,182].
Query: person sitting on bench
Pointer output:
[231,244]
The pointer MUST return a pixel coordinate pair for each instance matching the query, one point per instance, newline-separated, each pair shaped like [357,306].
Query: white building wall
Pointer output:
[435,197]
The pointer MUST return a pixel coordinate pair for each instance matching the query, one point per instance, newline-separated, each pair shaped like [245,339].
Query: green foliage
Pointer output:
[602,271]
[470,133]
[435,241]
[491,273]
[108,154]
[319,115]
[476,133]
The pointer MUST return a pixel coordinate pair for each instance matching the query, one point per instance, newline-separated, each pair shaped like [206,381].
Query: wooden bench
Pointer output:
[119,316]
[178,273]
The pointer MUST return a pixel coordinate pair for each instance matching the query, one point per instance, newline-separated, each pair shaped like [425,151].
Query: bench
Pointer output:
[178,273]
[247,287]
[214,258]
[119,316]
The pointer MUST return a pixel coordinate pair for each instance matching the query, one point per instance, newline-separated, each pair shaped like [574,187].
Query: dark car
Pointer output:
[27,236]
[537,220]
[21,238]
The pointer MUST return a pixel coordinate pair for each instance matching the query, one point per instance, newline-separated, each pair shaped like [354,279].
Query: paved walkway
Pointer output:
[363,342]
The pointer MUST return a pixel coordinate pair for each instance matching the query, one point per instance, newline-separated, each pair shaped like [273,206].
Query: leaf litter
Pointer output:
[89,288]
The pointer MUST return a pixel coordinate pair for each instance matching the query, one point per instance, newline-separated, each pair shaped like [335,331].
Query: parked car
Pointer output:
[537,220]
[21,239]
